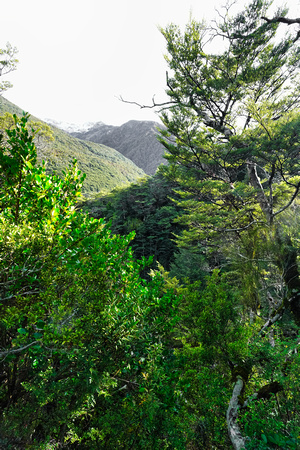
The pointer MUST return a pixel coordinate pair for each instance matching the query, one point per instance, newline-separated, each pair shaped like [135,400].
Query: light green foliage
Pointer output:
[27,191]
[214,97]
[82,335]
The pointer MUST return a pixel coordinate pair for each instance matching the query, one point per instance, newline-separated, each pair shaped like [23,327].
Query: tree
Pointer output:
[233,120]
[232,140]
[8,63]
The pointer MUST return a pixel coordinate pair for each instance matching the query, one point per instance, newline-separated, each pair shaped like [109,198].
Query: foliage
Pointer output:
[232,141]
[83,337]
[233,136]
[93,355]
[147,208]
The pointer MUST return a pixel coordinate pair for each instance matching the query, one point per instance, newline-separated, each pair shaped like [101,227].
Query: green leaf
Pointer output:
[264,438]
[22,331]
[37,335]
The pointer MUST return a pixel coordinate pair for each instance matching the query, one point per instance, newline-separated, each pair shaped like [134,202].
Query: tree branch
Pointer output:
[17,350]
[270,322]
[282,20]
[154,104]
[230,230]
[262,199]
[290,202]
[286,21]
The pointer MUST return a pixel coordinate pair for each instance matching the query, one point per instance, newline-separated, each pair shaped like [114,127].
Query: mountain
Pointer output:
[135,139]
[105,167]
[71,127]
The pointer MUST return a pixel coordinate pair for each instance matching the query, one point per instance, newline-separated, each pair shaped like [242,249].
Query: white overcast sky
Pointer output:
[77,56]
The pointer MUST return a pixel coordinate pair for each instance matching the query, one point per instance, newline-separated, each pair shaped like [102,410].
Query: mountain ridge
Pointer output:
[105,167]
[135,139]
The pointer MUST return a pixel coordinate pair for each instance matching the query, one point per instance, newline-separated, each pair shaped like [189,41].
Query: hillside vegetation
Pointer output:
[164,315]
[105,168]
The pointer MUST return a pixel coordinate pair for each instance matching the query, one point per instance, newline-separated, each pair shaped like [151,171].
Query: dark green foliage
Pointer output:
[192,265]
[147,209]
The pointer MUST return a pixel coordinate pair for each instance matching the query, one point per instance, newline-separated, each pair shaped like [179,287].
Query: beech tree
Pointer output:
[232,140]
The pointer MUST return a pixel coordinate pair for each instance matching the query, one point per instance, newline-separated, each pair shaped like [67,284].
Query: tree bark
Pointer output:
[238,441]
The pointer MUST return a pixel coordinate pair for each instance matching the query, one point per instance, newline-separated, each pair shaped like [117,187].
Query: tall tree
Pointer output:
[232,139]
[232,125]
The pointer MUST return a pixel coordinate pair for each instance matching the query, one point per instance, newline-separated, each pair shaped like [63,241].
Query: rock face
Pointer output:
[136,140]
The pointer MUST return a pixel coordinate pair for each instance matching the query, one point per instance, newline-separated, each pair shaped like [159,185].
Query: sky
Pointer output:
[77,57]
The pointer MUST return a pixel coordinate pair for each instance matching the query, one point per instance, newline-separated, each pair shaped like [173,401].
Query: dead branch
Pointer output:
[270,322]
[162,106]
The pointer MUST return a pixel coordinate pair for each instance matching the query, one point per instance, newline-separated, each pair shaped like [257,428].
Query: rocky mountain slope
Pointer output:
[134,139]
[105,167]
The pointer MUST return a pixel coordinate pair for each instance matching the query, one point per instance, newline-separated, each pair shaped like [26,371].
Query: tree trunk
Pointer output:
[238,441]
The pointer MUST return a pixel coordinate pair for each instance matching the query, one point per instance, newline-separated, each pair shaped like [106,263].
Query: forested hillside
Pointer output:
[148,209]
[105,168]
[196,347]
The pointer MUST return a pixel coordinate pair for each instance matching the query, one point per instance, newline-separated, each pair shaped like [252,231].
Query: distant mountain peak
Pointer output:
[72,127]
[135,139]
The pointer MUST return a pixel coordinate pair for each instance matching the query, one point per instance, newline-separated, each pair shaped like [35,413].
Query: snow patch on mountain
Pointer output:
[72,127]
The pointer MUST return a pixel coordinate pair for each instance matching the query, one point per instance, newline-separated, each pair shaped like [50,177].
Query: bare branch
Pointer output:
[261,196]
[163,105]
[230,230]
[37,291]
[270,322]
[286,21]
[290,202]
